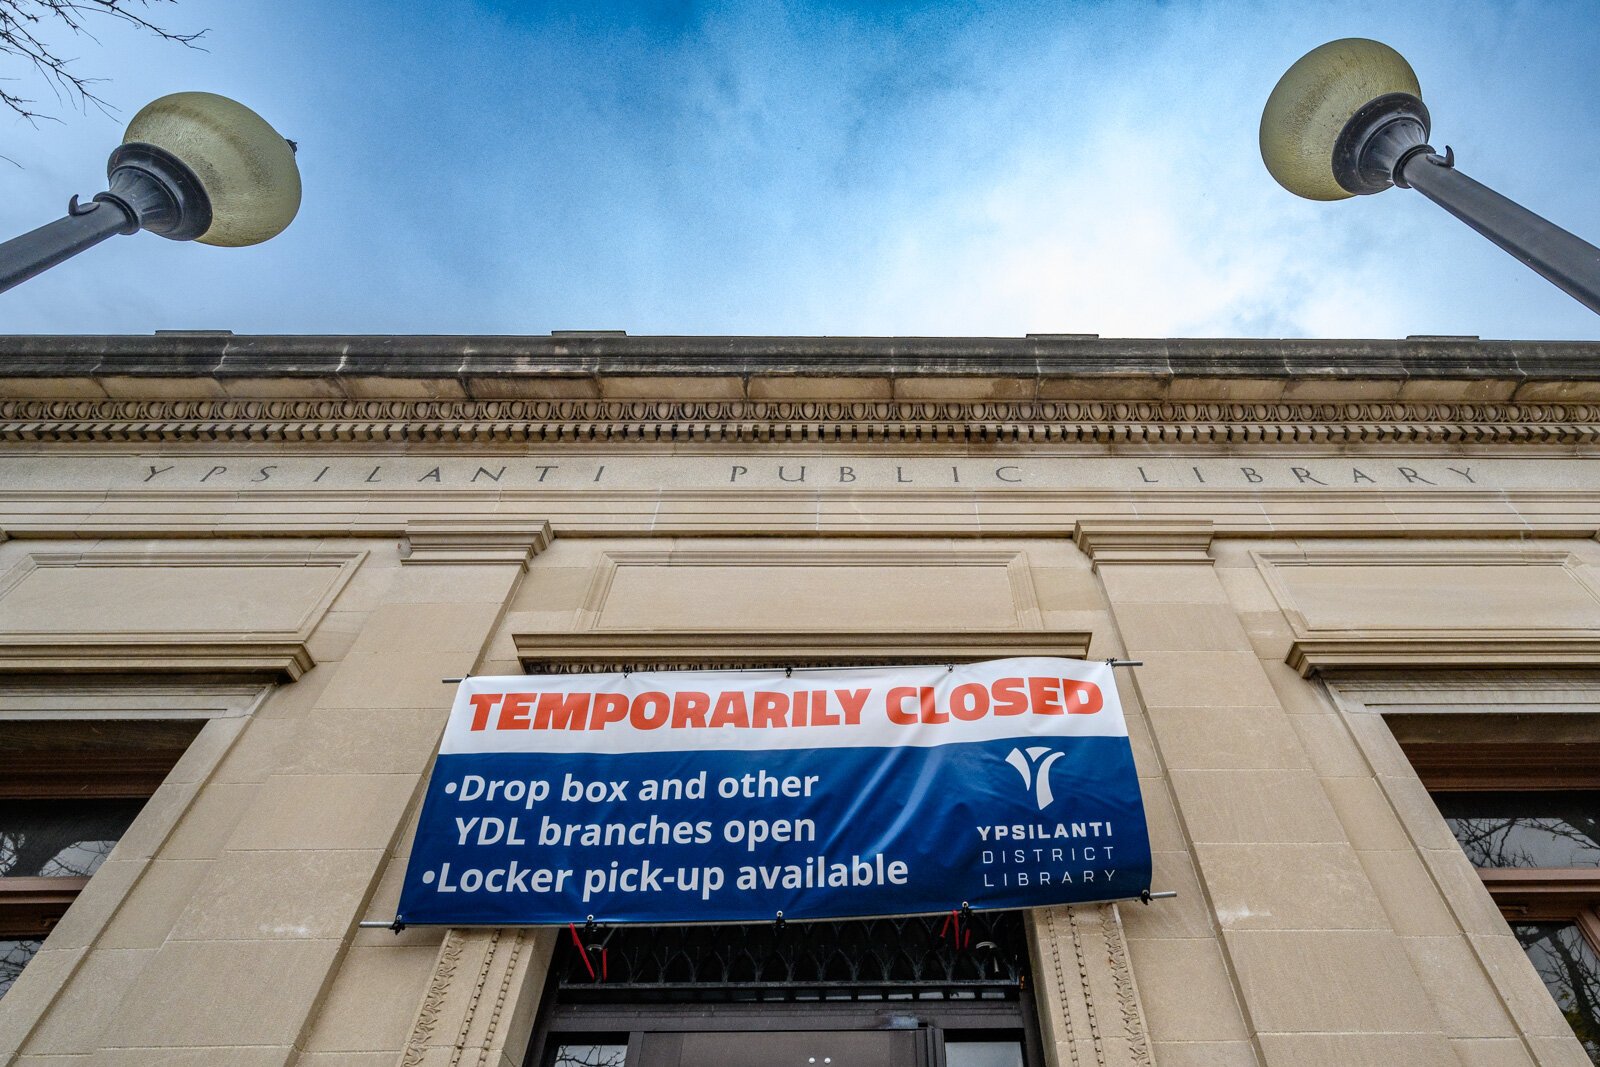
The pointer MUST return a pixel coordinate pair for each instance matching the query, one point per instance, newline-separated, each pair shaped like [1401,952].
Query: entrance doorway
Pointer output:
[915,992]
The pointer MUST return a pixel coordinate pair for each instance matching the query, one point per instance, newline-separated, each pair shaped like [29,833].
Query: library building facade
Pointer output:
[1346,594]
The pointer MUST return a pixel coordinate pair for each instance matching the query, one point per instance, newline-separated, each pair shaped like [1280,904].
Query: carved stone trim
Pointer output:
[494,1038]
[1055,1014]
[618,650]
[485,969]
[481,978]
[1144,540]
[427,1022]
[1445,651]
[857,422]
[1134,1030]
[1089,1003]
[482,541]
[27,654]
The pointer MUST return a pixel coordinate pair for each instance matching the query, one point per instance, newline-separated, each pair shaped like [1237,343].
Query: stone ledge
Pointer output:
[1421,652]
[486,541]
[618,650]
[460,357]
[1144,541]
[281,660]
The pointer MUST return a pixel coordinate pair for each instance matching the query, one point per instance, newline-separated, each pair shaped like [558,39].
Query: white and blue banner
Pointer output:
[718,796]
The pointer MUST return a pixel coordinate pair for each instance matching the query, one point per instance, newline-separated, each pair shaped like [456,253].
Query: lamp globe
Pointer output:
[245,168]
[1307,125]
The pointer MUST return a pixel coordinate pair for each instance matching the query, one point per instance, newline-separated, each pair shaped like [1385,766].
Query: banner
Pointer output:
[699,796]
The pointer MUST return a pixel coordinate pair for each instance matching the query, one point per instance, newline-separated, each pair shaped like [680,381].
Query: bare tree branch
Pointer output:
[25,30]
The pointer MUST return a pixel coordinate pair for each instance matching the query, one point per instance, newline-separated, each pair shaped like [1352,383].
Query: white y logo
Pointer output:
[1035,770]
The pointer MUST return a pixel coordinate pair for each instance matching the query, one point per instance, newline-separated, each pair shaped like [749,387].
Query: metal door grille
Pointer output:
[861,959]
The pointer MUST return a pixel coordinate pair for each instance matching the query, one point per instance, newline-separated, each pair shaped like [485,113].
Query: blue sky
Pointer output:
[896,168]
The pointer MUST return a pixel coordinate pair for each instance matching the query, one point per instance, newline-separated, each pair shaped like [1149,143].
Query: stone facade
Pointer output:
[294,540]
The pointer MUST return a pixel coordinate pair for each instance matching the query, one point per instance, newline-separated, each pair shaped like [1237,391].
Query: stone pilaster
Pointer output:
[265,954]
[482,995]
[1090,1013]
[1286,957]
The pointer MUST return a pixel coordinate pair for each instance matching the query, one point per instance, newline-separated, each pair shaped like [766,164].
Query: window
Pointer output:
[1527,815]
[69,790]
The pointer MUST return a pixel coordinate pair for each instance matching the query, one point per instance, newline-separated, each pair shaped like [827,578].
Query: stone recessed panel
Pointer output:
[172,594]
[900,587]
[1438,592]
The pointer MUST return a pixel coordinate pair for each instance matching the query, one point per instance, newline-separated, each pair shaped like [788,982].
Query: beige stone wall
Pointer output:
[1319,918]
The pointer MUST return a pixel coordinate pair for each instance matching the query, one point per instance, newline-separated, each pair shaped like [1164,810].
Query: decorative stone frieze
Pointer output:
[653,421]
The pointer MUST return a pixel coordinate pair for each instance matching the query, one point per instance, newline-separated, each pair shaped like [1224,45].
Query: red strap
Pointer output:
[578,941]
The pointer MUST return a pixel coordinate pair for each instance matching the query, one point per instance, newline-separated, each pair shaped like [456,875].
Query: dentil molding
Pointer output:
[848,421]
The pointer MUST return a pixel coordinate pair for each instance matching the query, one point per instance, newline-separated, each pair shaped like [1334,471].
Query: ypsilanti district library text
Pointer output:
[977,702]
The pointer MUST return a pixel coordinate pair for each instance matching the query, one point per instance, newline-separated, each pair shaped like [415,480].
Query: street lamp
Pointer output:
[1348,119]
[191,167]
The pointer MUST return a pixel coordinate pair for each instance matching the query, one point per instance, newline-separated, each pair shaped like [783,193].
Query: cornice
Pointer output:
[276,660]
[485,359]
[1432,652]
[468,541]
[854,422]
[622,650]
[1144,540]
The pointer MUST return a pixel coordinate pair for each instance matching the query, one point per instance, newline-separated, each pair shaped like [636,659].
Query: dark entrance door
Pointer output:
[909,992]
[804,1048]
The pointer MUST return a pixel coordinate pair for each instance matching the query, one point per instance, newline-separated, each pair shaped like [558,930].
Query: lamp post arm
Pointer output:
[1566,260]
[38,250]
[150,189]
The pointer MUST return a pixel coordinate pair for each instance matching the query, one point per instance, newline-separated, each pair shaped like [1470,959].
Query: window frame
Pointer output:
[1516,722]
[65,914]
[30,906]
[1523,894]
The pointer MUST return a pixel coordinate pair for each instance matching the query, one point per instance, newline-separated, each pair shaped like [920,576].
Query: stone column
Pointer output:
[1290,959]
